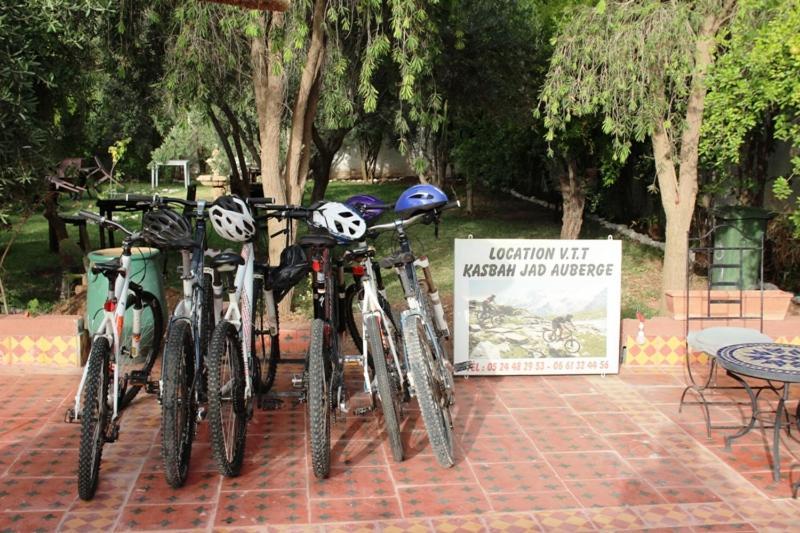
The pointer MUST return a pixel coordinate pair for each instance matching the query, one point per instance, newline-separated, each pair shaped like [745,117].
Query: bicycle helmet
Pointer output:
[292,269]
[419,198]
[365,205]
[165,228]
[341,221]
[232,219]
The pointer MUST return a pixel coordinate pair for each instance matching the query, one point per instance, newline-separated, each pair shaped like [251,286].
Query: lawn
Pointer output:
[32,273]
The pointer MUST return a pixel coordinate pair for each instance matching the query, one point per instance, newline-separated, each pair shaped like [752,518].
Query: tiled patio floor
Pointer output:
[534,453]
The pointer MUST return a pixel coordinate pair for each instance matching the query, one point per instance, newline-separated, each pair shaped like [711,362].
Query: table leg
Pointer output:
[754,404]
[776,437]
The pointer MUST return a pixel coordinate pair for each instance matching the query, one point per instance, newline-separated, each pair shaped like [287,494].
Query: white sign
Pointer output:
[537,306]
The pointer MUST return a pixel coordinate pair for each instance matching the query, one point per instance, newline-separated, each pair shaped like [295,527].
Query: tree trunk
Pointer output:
[469,196]
[326,152]
[308,127]
[573,199]
[236,181]
[679,190]
[237,134]
[293,181]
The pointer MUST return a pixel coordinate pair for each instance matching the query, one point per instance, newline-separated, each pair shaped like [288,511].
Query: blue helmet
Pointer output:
[366,205]
[419,198]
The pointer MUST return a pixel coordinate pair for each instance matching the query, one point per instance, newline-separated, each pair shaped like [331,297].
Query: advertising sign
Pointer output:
[537,306]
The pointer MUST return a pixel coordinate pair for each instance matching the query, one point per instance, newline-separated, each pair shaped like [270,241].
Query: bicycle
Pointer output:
[423,323]
[323,378]
[566,334]
[99,401]
[182,387]
[234,368]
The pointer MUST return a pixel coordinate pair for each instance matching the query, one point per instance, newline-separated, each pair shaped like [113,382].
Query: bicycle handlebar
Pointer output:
[427,216]
[103,221]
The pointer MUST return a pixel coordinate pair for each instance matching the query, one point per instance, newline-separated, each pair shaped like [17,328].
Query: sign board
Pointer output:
[537,306]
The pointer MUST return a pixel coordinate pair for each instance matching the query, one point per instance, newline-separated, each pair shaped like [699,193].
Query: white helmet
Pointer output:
[340,221]
[232,219]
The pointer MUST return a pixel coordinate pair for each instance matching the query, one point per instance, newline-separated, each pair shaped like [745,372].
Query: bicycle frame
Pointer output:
[370,306]
[239,312]
[112,325]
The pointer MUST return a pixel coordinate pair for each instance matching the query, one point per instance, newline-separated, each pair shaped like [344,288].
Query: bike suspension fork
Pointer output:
[433,293]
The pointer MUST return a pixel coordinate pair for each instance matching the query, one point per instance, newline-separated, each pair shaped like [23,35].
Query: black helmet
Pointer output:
[292,269]
[164,228]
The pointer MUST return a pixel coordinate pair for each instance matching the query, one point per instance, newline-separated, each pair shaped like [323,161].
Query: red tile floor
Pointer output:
[534,453]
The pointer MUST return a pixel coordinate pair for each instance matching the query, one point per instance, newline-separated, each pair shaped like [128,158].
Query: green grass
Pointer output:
[33,273]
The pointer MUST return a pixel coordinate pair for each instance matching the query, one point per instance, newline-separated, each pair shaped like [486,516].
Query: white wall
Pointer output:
[391,164]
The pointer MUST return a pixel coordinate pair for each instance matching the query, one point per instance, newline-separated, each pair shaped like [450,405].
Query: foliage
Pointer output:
[641,80]
[192,138]
[756,80]
[44,45]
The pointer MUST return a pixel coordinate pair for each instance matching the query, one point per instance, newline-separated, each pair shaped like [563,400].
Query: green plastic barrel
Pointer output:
[741,227]
[146,270]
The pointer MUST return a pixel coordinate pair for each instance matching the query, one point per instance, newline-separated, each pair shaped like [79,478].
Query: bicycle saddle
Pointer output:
[317,239]
[107,267]
[226,261]
[358,254]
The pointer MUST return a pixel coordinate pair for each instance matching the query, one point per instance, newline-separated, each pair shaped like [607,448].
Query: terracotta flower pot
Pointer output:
[776,304]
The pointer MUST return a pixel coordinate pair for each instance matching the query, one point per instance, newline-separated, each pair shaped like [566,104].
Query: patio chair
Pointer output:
[721,301]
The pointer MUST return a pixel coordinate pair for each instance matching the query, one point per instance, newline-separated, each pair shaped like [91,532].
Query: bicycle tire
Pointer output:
[207,319]
[178,407]
[572,346]
[225,341]
[387,391]
[94,425]
[549,335]
[149,301]
[319,412]
[432,406]
[268,358]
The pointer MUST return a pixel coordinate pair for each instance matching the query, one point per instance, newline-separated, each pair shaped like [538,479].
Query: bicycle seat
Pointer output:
[358,254]
[397,260]
[107,267]
[226,261]
[317,240]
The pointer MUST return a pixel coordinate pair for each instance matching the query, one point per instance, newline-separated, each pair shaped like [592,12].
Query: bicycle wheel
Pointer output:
[178,407]
[388,389]
[266,346]
[150,344]
[227,413]
[318,406]
[94,418]
[549,335]
[572,345]
[207,318]
[430,392]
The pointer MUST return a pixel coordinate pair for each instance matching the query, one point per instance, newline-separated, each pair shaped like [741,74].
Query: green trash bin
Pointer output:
[739,227]
[146,268]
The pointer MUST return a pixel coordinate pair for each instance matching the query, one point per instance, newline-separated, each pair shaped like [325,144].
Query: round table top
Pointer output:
[710,340]
[765,360]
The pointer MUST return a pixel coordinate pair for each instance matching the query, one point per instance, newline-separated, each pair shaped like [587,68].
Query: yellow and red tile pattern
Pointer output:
[670,351]
[61,351]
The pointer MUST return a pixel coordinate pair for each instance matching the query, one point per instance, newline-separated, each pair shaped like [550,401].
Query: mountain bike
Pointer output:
[108,386]
[182,388]
[380,342]
[566,334]
[234,366]
[425,332]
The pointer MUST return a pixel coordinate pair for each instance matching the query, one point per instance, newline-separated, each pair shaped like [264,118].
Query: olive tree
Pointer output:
[642,67]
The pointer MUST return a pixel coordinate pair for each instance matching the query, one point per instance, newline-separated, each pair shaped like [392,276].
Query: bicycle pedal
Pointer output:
[152,387]
[298,381]
[138,377]
[361,411]
[69,416]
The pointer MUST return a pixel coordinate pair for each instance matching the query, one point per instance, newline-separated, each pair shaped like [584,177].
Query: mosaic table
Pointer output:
[770,361]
